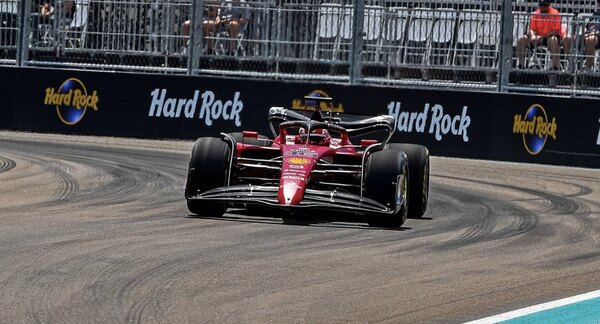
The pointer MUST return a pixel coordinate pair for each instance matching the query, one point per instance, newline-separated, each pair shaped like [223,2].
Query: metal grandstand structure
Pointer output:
[426,43]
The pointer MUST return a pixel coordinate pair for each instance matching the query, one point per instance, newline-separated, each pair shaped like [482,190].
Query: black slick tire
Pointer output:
[208,169]
[382,171]
[418,161]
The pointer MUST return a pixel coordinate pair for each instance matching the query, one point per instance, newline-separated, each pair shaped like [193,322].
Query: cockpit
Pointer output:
[315,137]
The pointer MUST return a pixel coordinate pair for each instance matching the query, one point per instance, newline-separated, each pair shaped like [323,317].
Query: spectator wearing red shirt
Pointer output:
[545,29]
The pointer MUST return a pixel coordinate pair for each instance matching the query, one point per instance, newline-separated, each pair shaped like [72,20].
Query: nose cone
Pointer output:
[295,170]
[290,193]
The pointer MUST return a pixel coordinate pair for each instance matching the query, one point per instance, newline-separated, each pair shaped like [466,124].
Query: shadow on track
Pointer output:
[333,220]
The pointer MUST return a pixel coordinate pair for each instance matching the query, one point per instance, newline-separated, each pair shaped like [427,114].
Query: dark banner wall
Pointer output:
[506,127]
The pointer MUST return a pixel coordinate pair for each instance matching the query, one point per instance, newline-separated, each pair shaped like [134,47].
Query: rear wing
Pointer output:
[357,127]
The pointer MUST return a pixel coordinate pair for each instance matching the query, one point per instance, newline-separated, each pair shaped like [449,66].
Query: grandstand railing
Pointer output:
[425,43]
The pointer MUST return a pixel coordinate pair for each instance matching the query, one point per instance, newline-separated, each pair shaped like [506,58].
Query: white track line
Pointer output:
[536,308]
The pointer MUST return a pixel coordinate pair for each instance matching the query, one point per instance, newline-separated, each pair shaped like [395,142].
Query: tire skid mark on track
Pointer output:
[129,293]
[6,164]
[133,282]
[581,191]
[147,285]
[581,225]
[563,205]
[455,211]
[154,263]
[99,178]
[582,258]
[485,226]
[559,204]
[49,280]
[41,164]
[103,284]
[475,232]
[137,199]
[442,202]
[128,183]
[67,185]
[124,178]
[147,282]
[498,171]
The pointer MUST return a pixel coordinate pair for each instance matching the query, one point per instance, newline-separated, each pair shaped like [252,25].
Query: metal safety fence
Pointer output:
[427,43]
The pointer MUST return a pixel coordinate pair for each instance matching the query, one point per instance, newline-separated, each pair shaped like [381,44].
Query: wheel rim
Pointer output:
[425,184]
[403,188]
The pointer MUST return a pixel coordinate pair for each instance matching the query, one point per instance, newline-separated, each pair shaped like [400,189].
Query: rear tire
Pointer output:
[381,176]
[208,169]
[418,160]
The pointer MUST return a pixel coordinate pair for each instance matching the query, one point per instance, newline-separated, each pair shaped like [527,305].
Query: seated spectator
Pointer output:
[592,32]
[69,8]
[208,27]
[43,13]
[545,30]
[47,9]
[233,17]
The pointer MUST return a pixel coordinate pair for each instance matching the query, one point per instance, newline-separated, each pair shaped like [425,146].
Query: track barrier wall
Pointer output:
[466,124]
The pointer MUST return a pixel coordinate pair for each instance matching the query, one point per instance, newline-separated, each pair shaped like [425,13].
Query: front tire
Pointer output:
[418,160]
[208,169]
[387,178]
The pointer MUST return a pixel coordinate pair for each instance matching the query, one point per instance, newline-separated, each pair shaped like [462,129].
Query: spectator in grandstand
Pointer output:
[592,33]
[45,8]
[233,18]
[208,27]
[545,29]
[43,13]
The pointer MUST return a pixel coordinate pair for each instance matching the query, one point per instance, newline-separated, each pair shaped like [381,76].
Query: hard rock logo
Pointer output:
[535,127]
[71,100]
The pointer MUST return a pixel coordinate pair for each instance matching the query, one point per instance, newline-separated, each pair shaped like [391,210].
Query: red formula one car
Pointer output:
[311,165]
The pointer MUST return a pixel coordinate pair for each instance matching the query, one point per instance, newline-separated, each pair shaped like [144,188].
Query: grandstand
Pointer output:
[430,43]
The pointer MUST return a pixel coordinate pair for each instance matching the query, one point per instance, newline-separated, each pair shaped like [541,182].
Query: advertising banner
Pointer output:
[507,127]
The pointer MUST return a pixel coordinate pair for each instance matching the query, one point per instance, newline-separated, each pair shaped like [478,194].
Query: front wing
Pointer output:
[313,199]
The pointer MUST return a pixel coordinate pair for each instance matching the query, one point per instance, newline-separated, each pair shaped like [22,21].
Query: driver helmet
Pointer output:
[319,137]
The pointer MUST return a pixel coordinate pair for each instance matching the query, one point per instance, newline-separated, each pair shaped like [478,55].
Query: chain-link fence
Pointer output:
[431,43]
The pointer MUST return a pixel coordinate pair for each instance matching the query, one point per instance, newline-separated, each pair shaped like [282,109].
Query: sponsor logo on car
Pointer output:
[298,104]
[293,177]
[535,127]
[432,120]
[71,100]
[301,151]
[298,161]
[210,110]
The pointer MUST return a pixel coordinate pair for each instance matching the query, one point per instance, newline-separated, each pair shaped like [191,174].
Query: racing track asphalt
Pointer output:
[96,230]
